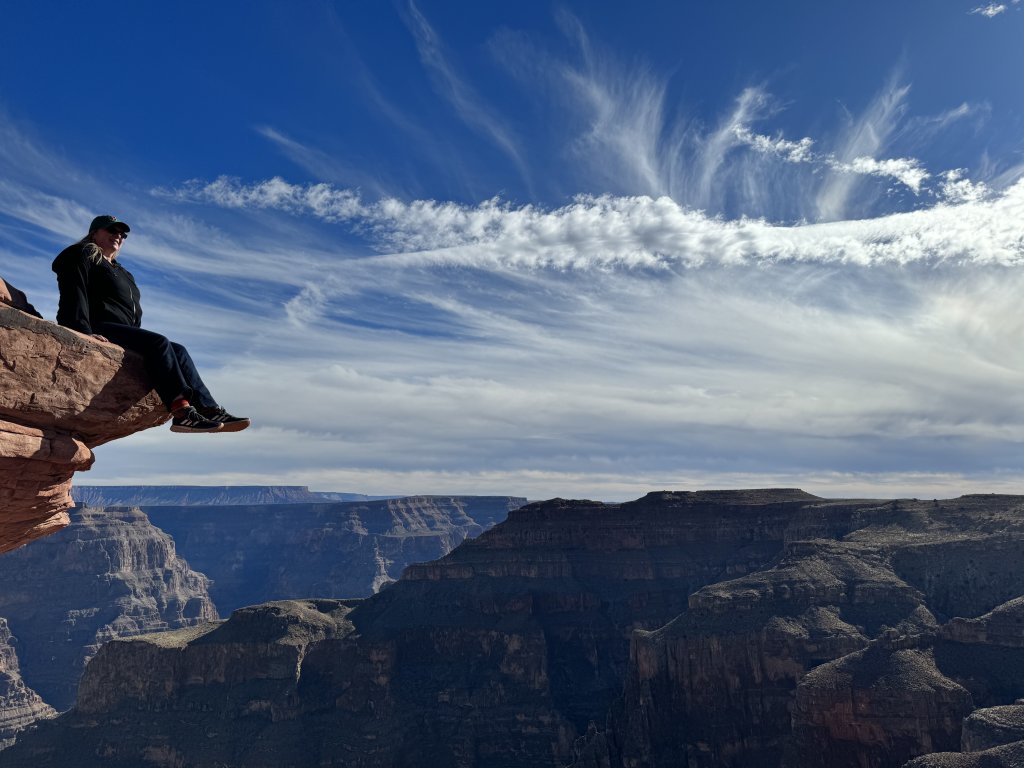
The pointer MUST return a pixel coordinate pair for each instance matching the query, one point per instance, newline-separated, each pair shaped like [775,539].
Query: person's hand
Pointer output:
[100,338]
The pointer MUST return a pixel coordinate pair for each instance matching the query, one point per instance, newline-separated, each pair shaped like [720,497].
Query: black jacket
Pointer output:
[91,292]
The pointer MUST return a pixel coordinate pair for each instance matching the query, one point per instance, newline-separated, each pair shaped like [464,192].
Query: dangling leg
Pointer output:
[165,372]
[201,397]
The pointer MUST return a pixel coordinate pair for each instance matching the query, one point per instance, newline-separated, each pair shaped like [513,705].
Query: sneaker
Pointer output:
[231,423]
[188,419]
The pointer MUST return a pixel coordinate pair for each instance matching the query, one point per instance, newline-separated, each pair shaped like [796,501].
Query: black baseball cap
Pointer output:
[107,222]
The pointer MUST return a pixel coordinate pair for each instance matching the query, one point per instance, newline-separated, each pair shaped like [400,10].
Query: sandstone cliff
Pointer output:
[255,554]
[61,394]
[111,574]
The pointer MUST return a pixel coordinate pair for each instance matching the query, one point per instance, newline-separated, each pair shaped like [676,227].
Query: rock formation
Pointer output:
[746,628]
[730,683]
[111,574]
[20,706]
[254,553]
[61,394]
[499,654]
[993,727]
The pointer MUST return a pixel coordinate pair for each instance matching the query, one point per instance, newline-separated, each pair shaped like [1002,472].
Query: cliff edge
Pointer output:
[61,394]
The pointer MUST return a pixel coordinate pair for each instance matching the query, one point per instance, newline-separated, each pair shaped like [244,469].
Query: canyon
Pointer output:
[114,573]
[731,628]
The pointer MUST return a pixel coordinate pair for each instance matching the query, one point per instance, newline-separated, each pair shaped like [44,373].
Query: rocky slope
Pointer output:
[111,574]
[748,628]
[20,706]
[255,553]
[61,394]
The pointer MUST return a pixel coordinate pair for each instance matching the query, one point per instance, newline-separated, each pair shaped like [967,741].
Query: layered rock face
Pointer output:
[111,574]
[731,682]
[61,394]
[689,630]
[20,706]
[499,654]
[255,553]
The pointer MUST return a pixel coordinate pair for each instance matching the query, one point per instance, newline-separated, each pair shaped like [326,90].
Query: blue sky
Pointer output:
[585,249]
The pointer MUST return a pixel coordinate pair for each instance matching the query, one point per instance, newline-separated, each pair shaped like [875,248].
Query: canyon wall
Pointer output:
[740,628]
[20,706]
[110,574]
[254,553]
[499,654]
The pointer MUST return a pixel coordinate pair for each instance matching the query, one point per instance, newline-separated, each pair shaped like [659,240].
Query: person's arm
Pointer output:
[73,284]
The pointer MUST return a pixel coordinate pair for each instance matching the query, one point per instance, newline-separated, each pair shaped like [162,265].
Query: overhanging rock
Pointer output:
[61,394]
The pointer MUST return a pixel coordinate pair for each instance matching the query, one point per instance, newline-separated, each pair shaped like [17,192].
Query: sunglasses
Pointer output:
[117,232]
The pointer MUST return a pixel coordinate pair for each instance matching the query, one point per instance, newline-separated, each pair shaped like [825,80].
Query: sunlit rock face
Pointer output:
[741,628]
[61,395]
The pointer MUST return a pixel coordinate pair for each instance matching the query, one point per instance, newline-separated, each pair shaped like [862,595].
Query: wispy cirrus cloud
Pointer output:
[456,89]
[631,140]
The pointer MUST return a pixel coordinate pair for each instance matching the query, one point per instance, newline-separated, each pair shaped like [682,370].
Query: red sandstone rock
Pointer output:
[61,394]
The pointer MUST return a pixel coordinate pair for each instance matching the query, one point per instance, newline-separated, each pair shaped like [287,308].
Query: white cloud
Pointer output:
[631,141]
[991,10]
[956,189]
[790,151]
[865,137]
[642,232]
[905,170]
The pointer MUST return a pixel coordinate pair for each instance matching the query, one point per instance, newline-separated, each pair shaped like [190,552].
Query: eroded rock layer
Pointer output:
[111,574]
[742,678]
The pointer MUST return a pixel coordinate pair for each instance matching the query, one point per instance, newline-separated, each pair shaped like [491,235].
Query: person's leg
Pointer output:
[200,395]
[161,362]
[169,380]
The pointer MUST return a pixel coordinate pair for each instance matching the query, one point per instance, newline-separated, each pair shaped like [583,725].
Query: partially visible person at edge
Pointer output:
[98,297]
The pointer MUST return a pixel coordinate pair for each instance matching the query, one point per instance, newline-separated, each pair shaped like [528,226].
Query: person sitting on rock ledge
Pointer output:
[98,297]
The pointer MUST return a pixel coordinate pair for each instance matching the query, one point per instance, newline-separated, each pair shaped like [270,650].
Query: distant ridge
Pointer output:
[204,495]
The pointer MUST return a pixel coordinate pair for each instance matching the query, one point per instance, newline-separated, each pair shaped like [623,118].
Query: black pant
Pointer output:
[168,364]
